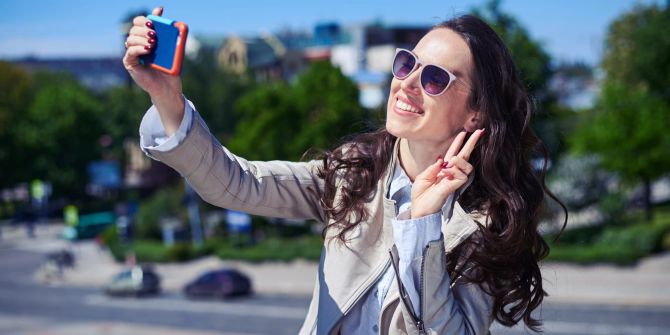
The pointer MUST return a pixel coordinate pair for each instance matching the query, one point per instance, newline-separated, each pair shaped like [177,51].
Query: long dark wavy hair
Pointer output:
[502,256]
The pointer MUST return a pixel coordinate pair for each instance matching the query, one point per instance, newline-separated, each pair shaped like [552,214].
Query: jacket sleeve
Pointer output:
[461,308]
[274,188]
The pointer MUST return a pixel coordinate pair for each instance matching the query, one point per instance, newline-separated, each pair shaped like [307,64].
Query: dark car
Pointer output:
[223,283]
[136,281]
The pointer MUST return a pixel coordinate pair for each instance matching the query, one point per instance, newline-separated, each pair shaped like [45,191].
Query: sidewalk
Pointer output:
[44,326]
[645,284]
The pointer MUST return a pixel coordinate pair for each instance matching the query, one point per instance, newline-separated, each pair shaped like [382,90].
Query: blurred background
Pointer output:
[96,238]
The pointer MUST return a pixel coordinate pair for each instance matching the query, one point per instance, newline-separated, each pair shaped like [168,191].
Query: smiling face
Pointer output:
[433,120]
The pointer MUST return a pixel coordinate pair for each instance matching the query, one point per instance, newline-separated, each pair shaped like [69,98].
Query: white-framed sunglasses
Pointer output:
[435,79]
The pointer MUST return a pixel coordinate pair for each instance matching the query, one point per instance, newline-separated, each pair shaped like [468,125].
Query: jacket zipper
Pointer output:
[418,322]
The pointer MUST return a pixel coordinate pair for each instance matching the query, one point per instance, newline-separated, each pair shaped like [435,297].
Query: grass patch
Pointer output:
[271,249]
[275,249]
[619,244]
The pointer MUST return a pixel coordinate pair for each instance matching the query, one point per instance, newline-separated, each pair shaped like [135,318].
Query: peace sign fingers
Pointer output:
[460,160]
[430,192]
[466,149]
[455,145]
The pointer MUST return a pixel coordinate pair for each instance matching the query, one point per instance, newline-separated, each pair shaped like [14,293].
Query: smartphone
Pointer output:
[168,53]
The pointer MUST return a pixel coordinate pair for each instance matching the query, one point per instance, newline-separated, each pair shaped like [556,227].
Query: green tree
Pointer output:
[280,121]
[123,108]
[15,96]
[637,49]
[535,68]
[215,92]
[328,101]
[628,127]
[533,62]
[57,136]
[268,125]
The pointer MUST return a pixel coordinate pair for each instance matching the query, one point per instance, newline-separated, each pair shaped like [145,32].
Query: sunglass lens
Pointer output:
[403,64]
[434,80]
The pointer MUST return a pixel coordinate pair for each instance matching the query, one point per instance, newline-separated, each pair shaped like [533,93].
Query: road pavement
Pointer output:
[584,299]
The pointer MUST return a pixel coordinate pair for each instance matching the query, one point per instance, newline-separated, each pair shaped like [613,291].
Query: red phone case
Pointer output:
[168,53]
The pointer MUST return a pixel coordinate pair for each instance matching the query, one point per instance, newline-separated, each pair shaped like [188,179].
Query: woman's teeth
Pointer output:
[406,107]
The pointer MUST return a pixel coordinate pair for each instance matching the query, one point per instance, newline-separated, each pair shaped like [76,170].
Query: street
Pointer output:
[21,300]
[30,307]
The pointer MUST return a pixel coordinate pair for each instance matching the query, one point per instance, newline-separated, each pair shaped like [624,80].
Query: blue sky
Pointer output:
[569,29]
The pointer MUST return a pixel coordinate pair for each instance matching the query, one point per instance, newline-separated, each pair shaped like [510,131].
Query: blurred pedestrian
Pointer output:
[26,215]
[449,174]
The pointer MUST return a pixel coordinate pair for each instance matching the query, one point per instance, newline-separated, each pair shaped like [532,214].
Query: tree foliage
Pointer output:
[533,62]
[638,49]
[280,121]
[122,111]
[628,127]
[56,135]
[15,94]
[535,68]
[628,130]
[215,91]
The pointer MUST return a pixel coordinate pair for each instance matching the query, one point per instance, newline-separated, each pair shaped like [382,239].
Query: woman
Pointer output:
[396,201]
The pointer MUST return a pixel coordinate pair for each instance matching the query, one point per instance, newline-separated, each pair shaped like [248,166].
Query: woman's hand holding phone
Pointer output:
[165,90]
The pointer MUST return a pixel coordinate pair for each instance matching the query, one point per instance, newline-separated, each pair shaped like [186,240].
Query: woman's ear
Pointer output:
[473,122]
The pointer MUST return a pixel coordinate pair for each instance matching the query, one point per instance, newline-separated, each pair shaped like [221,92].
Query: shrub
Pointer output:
[579,181]
[275,249]
[614,243]
[596,253]
[165,202]
[110,238]
[665,244]
[640,238]
[150,252]
[180,252]
[613,206]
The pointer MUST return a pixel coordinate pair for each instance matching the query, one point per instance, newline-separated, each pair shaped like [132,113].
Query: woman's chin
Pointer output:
[398,128]
[392,128]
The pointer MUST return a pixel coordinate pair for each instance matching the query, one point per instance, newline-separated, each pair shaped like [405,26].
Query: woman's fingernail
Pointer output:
[150,24]
[147,47]
[152,33]
[152,40]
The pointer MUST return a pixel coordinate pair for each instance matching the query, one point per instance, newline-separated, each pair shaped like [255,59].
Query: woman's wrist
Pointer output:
[171,110]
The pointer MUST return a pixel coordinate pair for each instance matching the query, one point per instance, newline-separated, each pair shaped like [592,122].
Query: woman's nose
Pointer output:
[412,84]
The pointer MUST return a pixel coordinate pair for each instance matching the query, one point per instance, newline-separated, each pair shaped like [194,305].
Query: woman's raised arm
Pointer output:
[165,90]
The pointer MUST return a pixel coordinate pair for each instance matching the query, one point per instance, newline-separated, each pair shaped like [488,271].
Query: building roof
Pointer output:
[94,73]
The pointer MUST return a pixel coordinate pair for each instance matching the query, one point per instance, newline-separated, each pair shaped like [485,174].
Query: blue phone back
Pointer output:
[166,41]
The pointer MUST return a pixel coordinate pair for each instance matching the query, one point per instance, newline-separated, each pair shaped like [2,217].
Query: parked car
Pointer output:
[136,281]
[223,283]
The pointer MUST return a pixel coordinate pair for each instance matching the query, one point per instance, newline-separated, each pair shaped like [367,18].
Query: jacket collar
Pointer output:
[347,272]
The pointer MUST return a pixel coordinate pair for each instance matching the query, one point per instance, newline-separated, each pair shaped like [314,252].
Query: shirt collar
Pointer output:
[399,180]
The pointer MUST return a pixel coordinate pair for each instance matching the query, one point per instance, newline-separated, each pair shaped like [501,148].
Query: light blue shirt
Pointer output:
[410,236]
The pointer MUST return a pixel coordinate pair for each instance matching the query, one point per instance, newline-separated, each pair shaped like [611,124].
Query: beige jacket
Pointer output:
[345,274]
